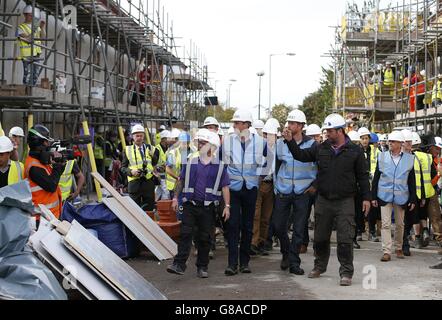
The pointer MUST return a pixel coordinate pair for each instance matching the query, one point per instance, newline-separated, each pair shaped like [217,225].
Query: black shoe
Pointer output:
[437,266]
[406,251]
[359,237]
[245,269]
[297,270]
[284,263]
[268,246]
[262,251]
[176,269]
[201,273]
[254,250]
[356,245]
[231,271]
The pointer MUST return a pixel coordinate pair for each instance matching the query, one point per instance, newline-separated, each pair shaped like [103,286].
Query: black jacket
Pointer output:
[339,175]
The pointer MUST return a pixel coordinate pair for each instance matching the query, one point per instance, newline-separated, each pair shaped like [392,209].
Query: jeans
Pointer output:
[240,225]
[30,72]
[198,222]
[312,200]
[283,204]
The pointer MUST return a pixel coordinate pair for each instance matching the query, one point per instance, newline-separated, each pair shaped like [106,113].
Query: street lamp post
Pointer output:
[259,74]
[270,74]
[230,85]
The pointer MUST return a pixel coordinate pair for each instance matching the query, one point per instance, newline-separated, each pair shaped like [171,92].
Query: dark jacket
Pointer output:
[339,175]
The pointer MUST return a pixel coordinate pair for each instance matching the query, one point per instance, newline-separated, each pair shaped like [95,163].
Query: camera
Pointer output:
[65,147]
[144,170]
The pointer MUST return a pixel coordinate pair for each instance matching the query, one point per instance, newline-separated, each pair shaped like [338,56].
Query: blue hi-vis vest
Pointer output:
[393,183]
[293,175]
[244,166]
[213,192]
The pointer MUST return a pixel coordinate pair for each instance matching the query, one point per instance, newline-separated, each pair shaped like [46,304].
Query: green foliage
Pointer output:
[280,112]
[319,104]
[220,113]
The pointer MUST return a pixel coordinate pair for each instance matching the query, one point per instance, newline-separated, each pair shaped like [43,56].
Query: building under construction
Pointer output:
[406,35]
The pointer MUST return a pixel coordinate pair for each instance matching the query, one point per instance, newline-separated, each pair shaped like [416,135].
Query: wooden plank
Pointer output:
[156,234]
[108,265]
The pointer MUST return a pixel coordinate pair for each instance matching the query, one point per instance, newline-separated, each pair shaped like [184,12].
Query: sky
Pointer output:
[237,37]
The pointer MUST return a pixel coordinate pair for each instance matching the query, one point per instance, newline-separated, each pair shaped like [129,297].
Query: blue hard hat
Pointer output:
[184,137]
[374,138]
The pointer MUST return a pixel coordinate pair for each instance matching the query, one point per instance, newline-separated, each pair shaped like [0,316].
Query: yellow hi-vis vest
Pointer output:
[437,91]
[157,139]
[171,181]
[163,157]
[16,172]
[66,180]
[373,158]
[388,78]
[25,47]
[422,166]
[133,154]
[98,150]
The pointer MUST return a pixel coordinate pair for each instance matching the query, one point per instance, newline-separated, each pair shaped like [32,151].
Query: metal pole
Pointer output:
[270,83]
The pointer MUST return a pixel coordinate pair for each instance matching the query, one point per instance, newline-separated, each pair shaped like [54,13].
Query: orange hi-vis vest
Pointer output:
[52,200]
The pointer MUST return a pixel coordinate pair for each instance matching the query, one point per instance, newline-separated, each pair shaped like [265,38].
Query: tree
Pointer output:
[220,113]
[319,104]
[280,112]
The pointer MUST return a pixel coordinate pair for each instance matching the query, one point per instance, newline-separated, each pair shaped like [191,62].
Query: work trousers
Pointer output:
[387,243]
[359,216]
[197,223]
[343,210]
[30,71]
[311,203]
[240,225]
[410,218]
[263,212]
[373,217]
[142,191]
[435,218]
[283,205]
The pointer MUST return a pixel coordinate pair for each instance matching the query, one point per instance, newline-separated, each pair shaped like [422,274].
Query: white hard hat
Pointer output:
[210,121]
[408,135]
[439,75]
[258,124]
[16,131]
[313,129]
[382,137]
[363,131]
[271,127]
[274,121]
[242,115]
[438,142]
[416,139]
[231,130]
[209,136]
[220,132]
[422,73]
[137,128]
[165,134]
[296,116]
[354,136]
[28,9]
[334,121]
[396,136]
[5,144]
[162,127]
[388,62]
[175,133]
[214,139]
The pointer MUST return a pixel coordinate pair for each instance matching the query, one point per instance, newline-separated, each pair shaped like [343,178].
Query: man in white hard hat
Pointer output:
[389,75]
[160,153]
[16,135]
[138,164]
[30,52]
[202,183]
[294,185]
[99,143]
[245,153]
[265,198]
[10,171]
[341,166]
[211,124]
[157,136]
[258,125]
[314,131]
[394,187]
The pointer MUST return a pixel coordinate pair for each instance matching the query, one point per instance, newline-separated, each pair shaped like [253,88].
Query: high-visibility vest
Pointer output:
[163,157]
[157,139]
[293,175]
[16,172]
[388,77]
[437,91]
[393,182]
[25,47]
[98,150]
[171,181]
[108,159]
[52,200]
[133,154]
[66,180]
[373,158]
[422,168]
